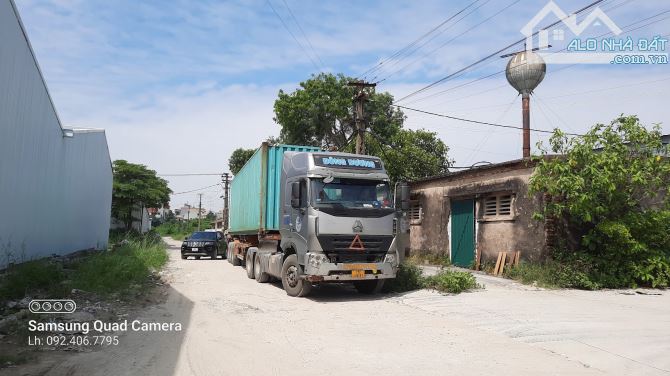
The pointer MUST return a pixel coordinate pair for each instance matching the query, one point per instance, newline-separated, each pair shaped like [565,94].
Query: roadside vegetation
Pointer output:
[409,277]
[608,196]
[125,268]
[178,230]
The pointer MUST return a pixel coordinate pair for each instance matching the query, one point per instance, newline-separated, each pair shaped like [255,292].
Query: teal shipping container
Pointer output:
[255,190]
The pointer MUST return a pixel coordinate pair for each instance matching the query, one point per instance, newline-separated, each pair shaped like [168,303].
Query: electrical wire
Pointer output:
[293,36]
[449,41]
[469,66]
[395,62]
[477,121]
[303,34]
[214,174]
[413,43]
[195,190]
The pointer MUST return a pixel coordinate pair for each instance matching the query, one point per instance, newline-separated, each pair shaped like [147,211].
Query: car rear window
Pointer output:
[204,235]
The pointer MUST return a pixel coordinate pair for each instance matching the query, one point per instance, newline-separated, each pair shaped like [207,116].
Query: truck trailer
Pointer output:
[306,216]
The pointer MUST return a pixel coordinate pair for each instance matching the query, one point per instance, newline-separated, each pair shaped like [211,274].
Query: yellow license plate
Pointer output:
[359,274]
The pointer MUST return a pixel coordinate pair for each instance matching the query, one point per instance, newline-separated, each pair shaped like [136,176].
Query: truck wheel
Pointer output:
[229,252]
[372,286]
[249,265]
[261,277]
[290,278]
[234,260]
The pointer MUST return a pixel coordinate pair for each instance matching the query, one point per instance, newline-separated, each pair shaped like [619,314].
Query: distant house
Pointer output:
[55,182]
[218,222]
[188,212]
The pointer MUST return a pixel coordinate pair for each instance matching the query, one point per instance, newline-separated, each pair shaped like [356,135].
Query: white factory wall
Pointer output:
[55,192]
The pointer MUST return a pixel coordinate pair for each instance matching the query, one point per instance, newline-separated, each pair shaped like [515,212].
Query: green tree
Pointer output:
[611,189]
[135,184]
[239,157]
[410,154]
[320,113]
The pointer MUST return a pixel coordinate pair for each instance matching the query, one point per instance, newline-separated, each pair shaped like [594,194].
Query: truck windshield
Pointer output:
[351,194]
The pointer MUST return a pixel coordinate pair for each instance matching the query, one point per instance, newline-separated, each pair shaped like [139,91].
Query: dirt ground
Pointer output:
[233,325]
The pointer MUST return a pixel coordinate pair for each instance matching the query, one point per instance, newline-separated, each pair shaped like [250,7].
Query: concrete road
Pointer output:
[233,326]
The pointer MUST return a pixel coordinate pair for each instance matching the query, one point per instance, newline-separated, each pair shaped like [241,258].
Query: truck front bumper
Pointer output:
[318,268]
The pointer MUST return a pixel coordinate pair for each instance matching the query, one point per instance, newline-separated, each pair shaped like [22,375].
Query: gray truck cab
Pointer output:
[338,217]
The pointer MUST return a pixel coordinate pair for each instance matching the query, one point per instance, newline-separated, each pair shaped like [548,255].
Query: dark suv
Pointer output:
[203,243]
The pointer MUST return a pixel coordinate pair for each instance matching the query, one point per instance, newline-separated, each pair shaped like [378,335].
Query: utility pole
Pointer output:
[225,179]
[199,210]
[360,97]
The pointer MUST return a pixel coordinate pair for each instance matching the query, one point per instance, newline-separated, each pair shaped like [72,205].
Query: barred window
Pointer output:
[497,206]
[415,212]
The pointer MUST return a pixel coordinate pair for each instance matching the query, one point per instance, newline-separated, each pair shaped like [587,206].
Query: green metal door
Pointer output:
[463,232]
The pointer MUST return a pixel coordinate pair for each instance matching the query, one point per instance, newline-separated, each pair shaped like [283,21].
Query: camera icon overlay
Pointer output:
[52,306]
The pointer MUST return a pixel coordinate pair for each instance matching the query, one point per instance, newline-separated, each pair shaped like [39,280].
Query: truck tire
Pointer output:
[372,286]
[261,277]
[249,265]
[290,278]
[229,252]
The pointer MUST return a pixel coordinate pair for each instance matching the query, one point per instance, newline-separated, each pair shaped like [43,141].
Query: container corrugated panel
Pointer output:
[273,199]
[245,194]
[255,190]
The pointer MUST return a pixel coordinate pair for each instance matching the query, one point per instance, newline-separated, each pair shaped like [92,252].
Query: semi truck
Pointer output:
[306,217]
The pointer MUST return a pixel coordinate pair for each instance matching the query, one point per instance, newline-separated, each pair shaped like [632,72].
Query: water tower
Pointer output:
[525,70]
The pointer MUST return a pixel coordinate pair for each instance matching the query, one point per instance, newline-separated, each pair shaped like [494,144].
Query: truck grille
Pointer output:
[336,248]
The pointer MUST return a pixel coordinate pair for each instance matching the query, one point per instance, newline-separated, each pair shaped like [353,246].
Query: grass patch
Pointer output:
[451,281]
[551,274]
[118,270]
[409,278]
[178,230]
[127,265]
[39,275]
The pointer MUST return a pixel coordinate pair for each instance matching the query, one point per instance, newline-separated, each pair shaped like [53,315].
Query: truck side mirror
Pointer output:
[295,194]
[404,196]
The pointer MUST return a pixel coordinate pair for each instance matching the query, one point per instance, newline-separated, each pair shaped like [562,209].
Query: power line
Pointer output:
[413,43]
[303,34]
[477,121]
[195,190]
[492,55]
[563,49]
[292,35]
[195,174]
[450,40]
[395,62]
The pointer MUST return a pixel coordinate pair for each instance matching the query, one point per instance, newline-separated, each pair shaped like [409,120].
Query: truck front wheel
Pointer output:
[372,286]
[290,278]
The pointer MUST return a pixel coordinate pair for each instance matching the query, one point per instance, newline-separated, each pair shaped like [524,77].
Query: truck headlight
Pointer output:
[316,259]
[390,258]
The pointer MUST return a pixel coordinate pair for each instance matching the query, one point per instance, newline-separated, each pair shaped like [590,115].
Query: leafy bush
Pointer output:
[610,192]
[451,281]
[178,230]
[407,278]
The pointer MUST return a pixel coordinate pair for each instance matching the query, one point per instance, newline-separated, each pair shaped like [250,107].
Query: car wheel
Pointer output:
[372,286]
[184,257]
[212,255]
[197,257]
[249,265]
[261,277]
[290,278]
